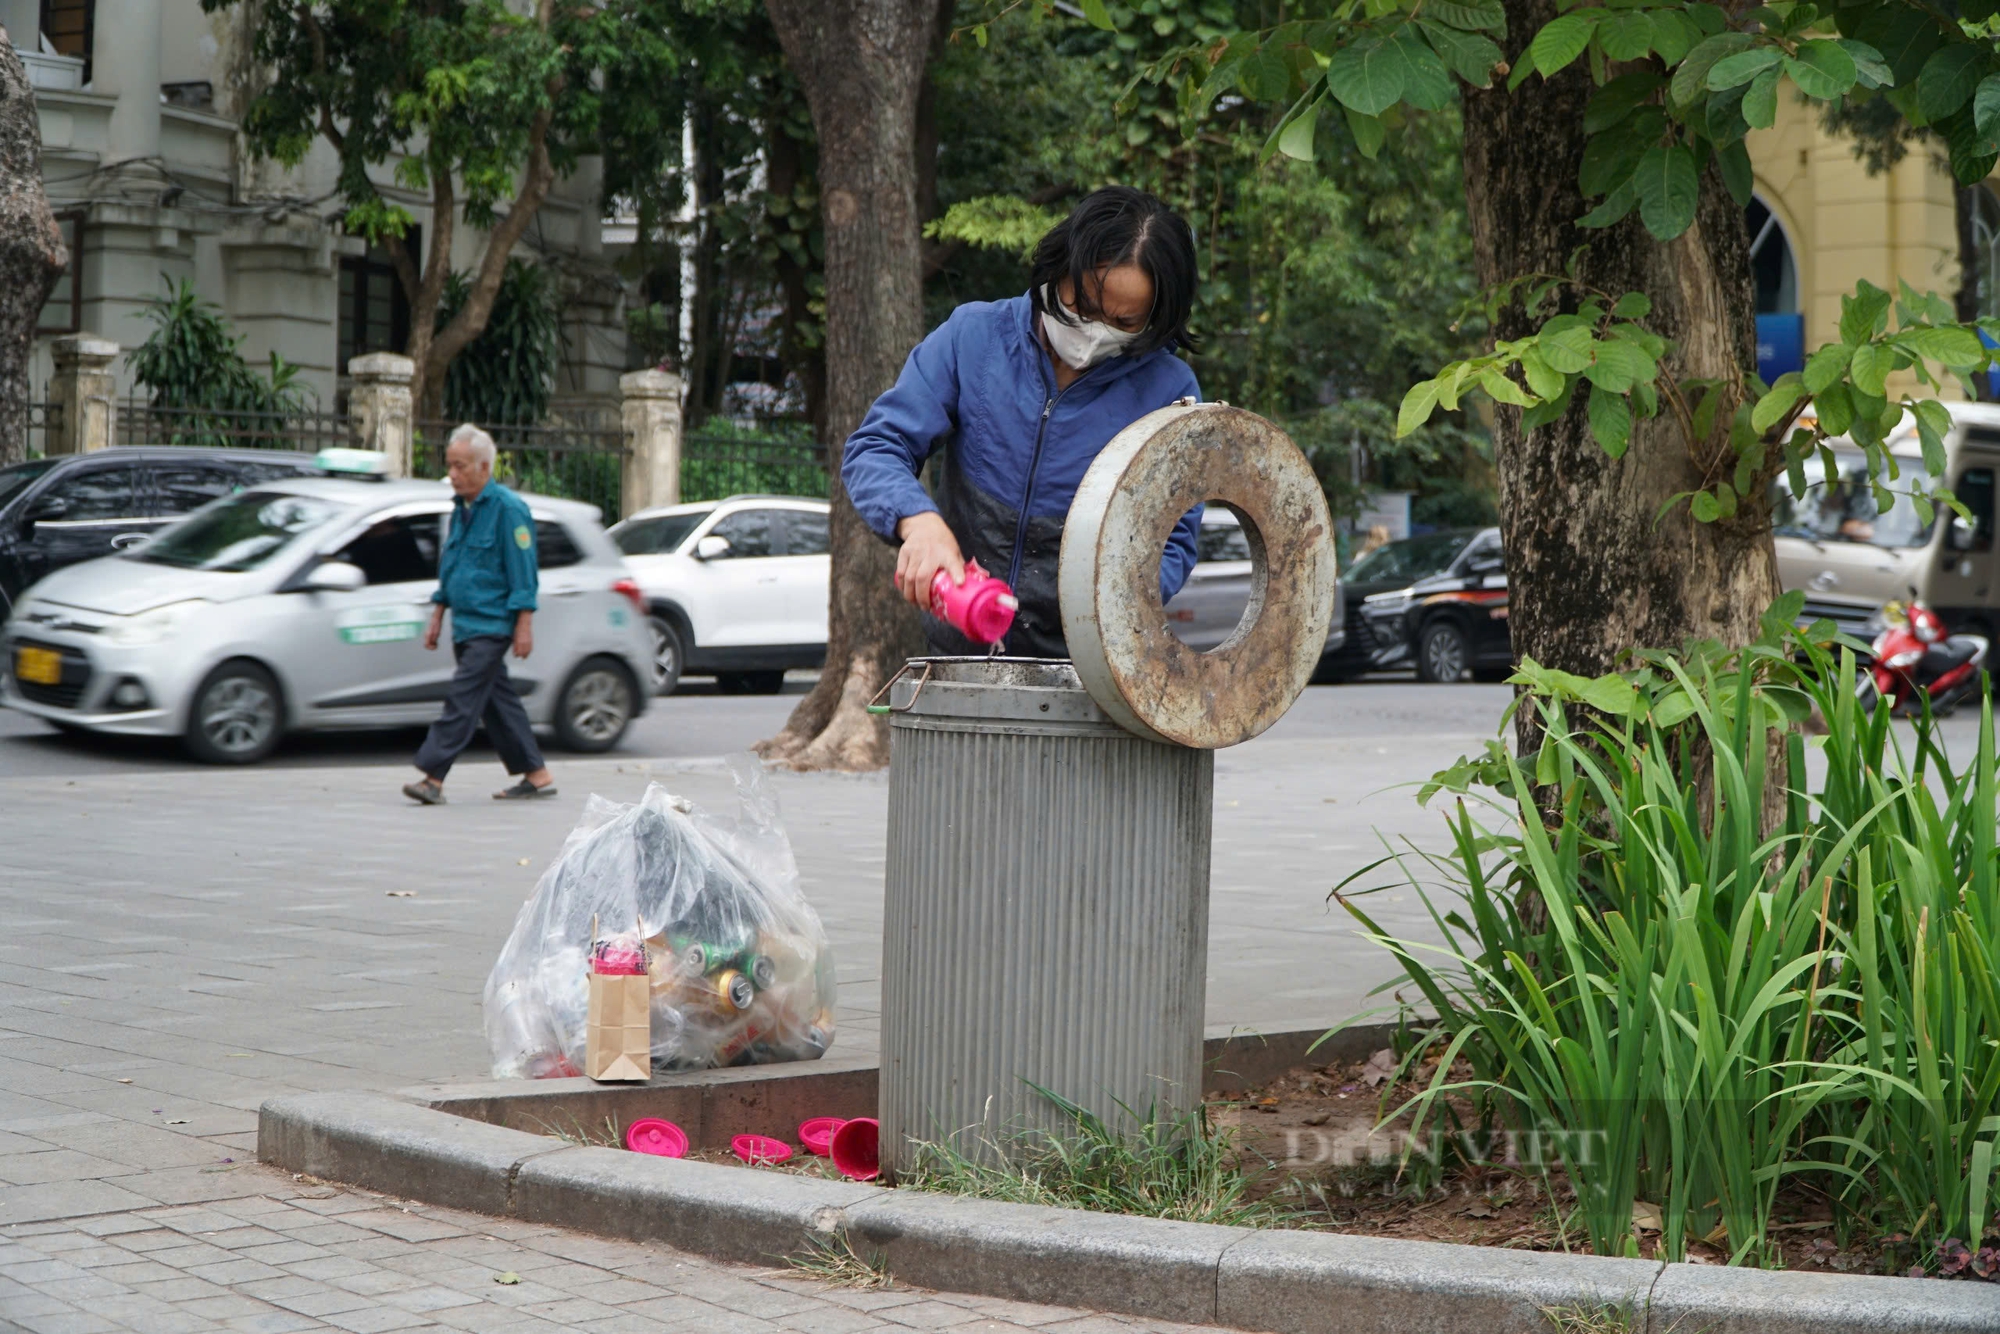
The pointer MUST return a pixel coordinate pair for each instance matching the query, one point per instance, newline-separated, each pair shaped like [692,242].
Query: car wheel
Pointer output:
[596,707]
[668,656]
[749,683]
[1441,653]
[237,716]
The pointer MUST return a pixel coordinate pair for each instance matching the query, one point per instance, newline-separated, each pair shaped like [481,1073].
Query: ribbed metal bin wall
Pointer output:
[1046,914]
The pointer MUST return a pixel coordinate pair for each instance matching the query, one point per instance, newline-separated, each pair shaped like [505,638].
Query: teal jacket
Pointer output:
[487,572]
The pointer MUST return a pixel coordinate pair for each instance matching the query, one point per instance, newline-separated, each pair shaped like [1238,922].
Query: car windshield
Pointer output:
[15,479]
[660,533]
[1408,560]
[239,533]
[1847,511]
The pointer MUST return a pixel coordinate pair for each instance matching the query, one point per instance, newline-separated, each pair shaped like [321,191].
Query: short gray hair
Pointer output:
[481,444]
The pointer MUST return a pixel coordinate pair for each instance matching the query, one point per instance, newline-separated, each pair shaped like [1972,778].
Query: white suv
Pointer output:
[736,587]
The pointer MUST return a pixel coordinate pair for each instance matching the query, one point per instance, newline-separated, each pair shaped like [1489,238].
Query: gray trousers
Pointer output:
[481,690]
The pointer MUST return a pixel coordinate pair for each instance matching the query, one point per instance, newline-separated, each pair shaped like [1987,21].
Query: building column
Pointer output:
[652,413]
[84,392]
[125,63]
[378,402]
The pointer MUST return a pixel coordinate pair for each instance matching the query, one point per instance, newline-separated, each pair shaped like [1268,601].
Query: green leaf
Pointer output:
[1742,67]
[1760,103]
[1870,70]
[1560,41]
[1296,139]
[1616,99]
[1772,407]
[1864,314]
[1614,208]
[1822,69]
[1470,55]
[1734,164]
[1674,35]
[1625,34]
[1427,84]
[1826,365]
[1367,76]
[1367,131]
[1620,365]
[1609,159]
[1691,79]
[1669,188]
[1986,107]
[1095,14]
[1468,15]
[1610,421]
[1933,425]
[1905,36]
[1704,507]
[1633,306]
[1501,389]
[1836,409]
[1972,155]
[1955,347]
[1567,350]
[1870,368]
[1543,379]
[1949,77]
[1264,76]
[1417,406]
[1673,708]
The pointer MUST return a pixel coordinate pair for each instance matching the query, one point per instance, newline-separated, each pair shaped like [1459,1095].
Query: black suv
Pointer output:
[1449,622]
[71,508]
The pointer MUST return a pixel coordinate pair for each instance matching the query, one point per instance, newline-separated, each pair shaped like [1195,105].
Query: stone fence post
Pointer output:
[652,412]
[378,403]
[85,393]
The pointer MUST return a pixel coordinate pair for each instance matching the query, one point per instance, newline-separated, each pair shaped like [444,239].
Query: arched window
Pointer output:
[1771,261]
[1986,247]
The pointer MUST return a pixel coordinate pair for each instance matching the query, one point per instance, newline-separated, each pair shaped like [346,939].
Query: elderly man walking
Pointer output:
[487,577]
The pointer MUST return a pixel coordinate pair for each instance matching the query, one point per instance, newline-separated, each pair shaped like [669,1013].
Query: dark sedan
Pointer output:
[1390,568]
[1453,622]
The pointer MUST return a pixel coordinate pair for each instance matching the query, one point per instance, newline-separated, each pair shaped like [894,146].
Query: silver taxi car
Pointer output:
[301,605]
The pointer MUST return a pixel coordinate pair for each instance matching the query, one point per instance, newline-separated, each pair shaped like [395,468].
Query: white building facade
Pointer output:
[144,164]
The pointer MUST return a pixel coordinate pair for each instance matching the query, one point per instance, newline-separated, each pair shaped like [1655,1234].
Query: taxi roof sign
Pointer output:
[368,463]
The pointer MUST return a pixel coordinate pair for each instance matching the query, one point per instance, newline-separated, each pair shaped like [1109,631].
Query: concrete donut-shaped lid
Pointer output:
[1152,473]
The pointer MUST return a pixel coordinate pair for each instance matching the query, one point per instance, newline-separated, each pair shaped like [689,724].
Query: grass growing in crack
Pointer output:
[585,1137]
[1185,1168]
[834,1262]
[1579,1318]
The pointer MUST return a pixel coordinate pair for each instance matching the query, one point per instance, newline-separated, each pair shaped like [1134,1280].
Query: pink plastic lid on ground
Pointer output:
[760,1149]
[817,1134]
[662,1139]
[854,1148]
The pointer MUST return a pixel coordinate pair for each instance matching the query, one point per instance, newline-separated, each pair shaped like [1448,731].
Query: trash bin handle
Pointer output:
[874,706]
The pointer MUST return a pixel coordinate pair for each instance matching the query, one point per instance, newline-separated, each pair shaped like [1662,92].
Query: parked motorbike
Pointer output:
[1913,656]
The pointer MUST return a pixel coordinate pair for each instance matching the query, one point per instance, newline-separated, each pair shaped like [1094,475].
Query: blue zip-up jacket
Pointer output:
[1018,452]
[488,570]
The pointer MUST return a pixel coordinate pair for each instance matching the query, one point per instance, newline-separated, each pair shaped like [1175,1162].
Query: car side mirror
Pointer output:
[48,507]
[712,547]
[1962,534]
[335,576]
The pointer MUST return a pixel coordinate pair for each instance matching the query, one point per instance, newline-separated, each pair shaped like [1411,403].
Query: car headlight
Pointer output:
[150,627]
[1382,605]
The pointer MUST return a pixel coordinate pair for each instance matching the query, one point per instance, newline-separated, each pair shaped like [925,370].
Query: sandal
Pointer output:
[524,791]
[427,793]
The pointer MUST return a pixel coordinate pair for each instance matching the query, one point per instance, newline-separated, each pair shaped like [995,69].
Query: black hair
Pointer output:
[1119,225]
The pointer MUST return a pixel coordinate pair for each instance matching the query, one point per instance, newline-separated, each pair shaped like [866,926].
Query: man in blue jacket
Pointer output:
[487,578]
[1028,391]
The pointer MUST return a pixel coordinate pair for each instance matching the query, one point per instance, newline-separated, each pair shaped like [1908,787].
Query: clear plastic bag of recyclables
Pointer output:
[741,972]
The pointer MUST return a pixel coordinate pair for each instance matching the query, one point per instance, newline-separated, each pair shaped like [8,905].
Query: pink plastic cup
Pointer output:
[663,1139]
[854,1148]
[982,608]
[760,1149]
[817,1134]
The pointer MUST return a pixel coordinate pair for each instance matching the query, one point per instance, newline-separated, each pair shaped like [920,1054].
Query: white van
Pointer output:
[1850,556]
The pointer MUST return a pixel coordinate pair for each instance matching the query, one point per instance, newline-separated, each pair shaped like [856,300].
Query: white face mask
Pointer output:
[1084,344]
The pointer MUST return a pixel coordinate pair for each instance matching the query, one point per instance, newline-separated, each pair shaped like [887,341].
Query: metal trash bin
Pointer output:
[1046,911]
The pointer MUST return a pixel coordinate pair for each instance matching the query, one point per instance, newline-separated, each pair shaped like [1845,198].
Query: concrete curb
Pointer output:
[1286,1282]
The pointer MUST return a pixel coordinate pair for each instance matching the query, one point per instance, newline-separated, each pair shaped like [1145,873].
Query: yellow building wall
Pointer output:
[1845,225]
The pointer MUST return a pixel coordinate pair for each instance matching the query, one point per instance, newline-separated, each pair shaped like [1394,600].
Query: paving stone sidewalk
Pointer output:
[298,1257]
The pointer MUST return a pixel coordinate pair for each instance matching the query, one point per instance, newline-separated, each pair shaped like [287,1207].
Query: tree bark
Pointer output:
[32,253]
[861,63]
[1592,568]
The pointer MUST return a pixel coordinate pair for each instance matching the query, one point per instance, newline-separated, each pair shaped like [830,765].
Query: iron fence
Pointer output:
[44,426]
[308,430]
[779,459]
[581,457]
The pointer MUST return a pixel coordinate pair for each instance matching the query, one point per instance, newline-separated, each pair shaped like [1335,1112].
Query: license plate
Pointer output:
[40,666]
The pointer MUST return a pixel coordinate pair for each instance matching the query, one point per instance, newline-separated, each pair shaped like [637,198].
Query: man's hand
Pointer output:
[928,546]
[524,634]
[436,626]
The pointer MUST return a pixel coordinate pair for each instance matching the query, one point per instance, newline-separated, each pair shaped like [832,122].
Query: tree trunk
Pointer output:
[861,63]
[32,253]
[1592,569]
[1965,300]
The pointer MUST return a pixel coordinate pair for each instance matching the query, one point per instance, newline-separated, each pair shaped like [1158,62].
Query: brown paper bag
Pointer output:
[618,1044]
